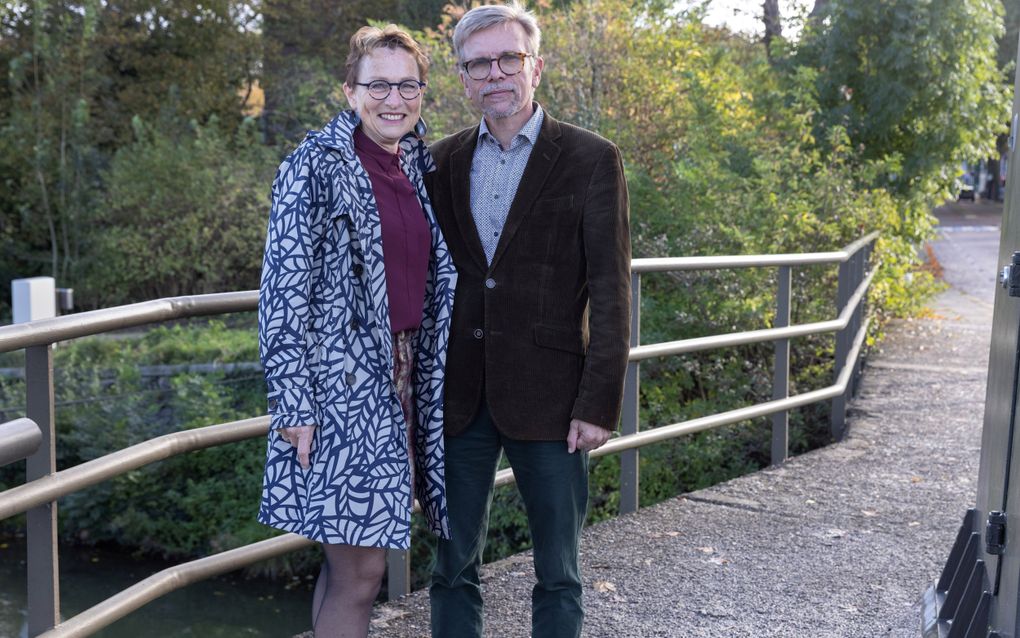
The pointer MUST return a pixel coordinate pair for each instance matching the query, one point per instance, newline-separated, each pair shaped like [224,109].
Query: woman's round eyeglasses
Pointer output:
[510,63]
[380,90]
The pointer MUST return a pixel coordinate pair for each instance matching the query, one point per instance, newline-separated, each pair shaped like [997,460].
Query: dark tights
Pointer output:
[348,584]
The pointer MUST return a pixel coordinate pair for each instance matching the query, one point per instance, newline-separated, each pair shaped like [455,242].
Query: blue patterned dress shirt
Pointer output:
[495,175]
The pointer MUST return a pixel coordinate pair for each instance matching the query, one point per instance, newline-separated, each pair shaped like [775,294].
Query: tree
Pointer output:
[651,81]
[909,84]
[305,46]
[77,73]
[420,14]
[819,8]
[773,23]
[49,162]
[190,59]
[182,214]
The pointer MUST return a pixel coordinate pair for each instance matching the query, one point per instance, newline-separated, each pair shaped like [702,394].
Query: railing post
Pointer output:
[781,370]
[398,574]
[630,459]
[837,415]
[855,319]
[43,574]
[864,256]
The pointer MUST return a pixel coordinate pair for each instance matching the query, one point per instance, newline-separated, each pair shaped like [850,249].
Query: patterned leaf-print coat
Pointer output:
[327,350]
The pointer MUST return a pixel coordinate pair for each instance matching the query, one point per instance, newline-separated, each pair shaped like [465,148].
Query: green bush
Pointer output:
[184,213]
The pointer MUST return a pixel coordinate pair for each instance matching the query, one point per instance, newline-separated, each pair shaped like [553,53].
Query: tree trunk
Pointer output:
[773,24]
[819,9]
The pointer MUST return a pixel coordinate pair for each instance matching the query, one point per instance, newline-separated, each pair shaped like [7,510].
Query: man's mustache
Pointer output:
[492,88]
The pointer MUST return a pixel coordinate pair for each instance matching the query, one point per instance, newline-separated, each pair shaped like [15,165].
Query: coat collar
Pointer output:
[338,134]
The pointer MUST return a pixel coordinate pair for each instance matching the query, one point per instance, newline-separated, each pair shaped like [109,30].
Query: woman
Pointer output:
[354,349]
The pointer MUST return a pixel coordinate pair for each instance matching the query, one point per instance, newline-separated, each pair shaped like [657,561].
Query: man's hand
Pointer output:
[585,436]
[301,438]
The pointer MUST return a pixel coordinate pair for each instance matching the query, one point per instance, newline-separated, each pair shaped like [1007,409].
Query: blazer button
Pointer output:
[478,333]
[490,283]
[358,269]
[355,324]
[350,378]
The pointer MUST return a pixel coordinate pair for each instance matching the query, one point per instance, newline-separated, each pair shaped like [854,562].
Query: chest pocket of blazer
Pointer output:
[559,338]
[550,223]
[553,204]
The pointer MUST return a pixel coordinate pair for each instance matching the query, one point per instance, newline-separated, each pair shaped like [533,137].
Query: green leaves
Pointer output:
[183,214]
[911,79]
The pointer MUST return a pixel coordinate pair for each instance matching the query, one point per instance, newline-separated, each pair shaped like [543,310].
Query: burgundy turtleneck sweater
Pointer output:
[405,232]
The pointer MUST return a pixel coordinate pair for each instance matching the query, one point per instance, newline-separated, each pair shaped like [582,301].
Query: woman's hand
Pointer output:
[301,438]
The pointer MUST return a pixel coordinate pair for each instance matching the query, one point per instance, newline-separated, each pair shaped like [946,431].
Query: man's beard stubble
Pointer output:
[513,107]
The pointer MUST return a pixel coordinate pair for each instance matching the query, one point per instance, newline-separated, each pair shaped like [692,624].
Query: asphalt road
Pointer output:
[967,248]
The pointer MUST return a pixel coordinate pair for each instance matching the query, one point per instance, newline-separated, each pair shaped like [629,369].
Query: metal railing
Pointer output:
[33,438]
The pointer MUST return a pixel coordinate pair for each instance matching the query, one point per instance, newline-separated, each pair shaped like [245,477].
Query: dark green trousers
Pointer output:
[554,487]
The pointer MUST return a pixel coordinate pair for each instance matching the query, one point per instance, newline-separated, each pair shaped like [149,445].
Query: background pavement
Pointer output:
[968,248]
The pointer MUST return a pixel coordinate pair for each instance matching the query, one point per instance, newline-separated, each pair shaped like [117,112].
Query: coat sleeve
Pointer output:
[606,237]
[295,230]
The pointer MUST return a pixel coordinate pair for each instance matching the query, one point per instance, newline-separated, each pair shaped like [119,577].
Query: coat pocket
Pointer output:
[552,204]
[560,338]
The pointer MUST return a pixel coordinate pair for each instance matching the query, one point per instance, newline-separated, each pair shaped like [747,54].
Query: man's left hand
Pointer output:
[585,436]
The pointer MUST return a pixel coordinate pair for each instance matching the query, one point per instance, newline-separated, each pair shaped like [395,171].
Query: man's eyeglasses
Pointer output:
[380,90]
[510,63]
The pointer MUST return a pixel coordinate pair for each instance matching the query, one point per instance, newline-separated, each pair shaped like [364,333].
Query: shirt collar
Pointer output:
[529,131]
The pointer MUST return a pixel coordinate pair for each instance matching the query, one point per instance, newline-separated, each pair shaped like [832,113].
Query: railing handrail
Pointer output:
[664,432]
[667,264]
[59,484]
[43,332]
[173,578]
[84,324]
[19,439]
[697,344]
[24,497]
[35,496]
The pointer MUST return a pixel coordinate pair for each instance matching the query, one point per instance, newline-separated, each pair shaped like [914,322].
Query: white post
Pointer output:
[33,298]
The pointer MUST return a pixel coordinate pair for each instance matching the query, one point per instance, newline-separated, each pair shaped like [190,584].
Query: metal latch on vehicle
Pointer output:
[1010,276]
[995,533]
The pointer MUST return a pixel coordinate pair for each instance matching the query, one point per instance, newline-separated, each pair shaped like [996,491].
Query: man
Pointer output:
[535,213]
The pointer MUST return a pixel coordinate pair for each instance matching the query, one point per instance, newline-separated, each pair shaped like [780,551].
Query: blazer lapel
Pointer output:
[540,164]
[460,193]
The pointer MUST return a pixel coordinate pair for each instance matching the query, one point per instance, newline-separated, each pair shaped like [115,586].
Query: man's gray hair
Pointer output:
[491,15]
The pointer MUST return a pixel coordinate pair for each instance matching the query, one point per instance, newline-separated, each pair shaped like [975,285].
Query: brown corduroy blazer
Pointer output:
[544,331]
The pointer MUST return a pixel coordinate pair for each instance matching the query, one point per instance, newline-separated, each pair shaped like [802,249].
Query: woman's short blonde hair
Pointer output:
[368,39]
